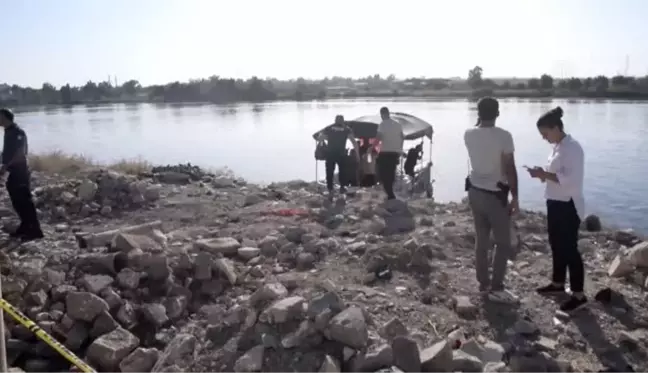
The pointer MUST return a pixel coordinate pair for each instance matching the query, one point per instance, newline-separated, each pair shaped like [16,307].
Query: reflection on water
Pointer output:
[273,141]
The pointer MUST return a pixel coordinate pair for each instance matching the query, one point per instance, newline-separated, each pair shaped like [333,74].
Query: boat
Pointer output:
[365,129]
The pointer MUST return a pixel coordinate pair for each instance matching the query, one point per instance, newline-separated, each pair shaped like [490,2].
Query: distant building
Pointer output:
[340,89]
[5,92]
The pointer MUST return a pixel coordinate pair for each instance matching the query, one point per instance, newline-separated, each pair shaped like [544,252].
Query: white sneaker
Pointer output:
[503,296]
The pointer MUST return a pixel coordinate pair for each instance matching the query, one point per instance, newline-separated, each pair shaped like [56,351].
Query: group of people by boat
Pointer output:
[376,154]
[491,186]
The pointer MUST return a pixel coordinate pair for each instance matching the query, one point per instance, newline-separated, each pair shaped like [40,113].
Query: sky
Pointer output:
[159,41]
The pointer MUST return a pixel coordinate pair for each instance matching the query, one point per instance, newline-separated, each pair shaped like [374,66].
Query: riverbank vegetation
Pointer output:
[60,163]
[227,90]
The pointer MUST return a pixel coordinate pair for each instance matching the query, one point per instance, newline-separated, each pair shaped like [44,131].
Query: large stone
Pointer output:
[126,242]
[283,310]
[251,361]
[226,268]
[155,313]
[110,349]
[203,266]
[157,267]
[621,266]
[377,357]
[533,362]
[96,283]
[248,253]
[639,254]
[181,345]
[84,306]
[464,307]
[406,354]
[349,327]
[104,323]
[87,190]
[393,328]
[327,301]
[218,245]
[268,292]
[172,177]
[437,358]
[128,279]
[592,223]
[329,365]
[140,360]
[463,362]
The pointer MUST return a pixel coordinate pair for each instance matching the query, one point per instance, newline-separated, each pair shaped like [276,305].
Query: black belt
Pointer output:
[501,194]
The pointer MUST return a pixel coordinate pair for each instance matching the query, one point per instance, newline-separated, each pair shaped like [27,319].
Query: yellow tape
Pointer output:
[43,336]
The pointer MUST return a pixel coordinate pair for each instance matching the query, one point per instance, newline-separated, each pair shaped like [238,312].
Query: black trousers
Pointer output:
[562,225]
[18,187]
[386,165]
[331,161]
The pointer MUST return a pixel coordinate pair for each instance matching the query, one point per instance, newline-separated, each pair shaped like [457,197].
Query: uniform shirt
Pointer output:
[485,148]
[336,136]
[14,139]
[391,135]
[567,161]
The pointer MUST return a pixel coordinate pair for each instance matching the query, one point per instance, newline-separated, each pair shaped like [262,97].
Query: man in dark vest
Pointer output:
[336,137]
[14,161]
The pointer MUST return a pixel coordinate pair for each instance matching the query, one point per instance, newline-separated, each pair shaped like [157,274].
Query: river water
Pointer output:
[272,142]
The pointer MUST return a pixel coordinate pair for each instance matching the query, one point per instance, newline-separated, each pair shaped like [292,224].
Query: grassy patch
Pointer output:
[67,164]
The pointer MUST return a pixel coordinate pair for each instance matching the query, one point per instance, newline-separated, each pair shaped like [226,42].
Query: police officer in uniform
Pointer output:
[14,161]
[336,137]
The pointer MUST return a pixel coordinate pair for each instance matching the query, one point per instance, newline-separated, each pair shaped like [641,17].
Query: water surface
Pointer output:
[272,142]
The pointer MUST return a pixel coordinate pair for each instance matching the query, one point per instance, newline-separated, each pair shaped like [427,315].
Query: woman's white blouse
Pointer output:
[567,161]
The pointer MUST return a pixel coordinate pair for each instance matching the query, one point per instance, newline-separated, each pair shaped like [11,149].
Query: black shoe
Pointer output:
[573,304]
[31,236]
[18,232]
[551,289]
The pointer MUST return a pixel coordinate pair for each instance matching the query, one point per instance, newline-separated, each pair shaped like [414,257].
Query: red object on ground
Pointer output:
[286,212]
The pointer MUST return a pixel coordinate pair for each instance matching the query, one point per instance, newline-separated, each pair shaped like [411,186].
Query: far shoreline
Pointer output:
[430,95]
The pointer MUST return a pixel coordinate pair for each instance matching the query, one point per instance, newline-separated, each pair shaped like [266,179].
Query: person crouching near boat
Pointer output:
[563,178]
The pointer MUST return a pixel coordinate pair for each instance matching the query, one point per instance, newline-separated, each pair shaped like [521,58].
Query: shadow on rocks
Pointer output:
[610,356]
[500,317]
[615,305]
[332,213]
[399,217]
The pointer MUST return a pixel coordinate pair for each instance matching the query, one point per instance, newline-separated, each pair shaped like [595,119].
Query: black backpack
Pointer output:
[321,150]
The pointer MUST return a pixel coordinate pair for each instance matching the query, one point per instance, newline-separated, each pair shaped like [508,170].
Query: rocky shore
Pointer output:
[182,270]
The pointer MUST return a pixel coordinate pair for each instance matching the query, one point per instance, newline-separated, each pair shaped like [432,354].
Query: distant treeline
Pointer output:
[226,90]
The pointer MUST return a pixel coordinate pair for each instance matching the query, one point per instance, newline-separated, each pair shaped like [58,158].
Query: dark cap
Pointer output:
[7,114]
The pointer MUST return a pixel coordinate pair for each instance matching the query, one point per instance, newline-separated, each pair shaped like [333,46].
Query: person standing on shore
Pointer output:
[390,133]
[14,161]
[336,137]
[563,178]
[492,176]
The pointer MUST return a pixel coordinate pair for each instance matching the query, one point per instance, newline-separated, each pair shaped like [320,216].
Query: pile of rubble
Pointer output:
[135,308]
[280,279]
[194,172]
[99,192]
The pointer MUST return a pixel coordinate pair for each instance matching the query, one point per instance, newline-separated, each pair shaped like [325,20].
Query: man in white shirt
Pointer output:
[492,177]
[390,133]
